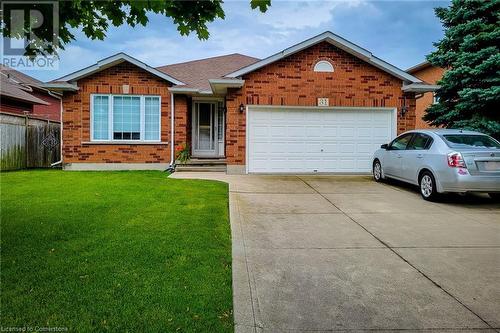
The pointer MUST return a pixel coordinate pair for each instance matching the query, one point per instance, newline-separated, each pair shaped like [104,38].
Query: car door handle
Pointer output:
[420,156]
[399,156]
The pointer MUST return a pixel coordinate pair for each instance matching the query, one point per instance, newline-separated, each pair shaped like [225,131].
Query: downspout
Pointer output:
[60,128]
[172,132]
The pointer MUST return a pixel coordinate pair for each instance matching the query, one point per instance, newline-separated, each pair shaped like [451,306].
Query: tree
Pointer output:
[94,18]
[469,96]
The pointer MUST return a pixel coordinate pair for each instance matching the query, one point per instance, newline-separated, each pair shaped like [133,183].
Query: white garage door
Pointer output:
[290,140]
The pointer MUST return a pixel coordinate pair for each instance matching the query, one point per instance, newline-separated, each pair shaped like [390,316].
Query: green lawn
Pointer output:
[115,251]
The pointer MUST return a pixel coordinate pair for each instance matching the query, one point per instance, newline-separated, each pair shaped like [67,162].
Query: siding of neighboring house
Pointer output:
[292,82]
[430,75]
[76,118]
[14,106]
[51,111]
[32,86]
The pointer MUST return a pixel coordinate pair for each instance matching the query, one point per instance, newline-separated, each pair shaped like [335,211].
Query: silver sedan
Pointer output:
[442,160]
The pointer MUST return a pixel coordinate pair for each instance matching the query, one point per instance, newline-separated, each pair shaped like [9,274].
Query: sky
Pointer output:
[399,32]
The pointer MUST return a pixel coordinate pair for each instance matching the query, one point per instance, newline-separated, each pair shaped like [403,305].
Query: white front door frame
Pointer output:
[217,125]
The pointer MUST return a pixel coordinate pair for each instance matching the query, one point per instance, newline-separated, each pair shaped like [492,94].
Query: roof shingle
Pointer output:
[14,90]
[196,73]
[20,77]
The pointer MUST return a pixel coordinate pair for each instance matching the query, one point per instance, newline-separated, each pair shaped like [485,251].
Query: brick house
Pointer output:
[430,74]
[323,105]
[25,95]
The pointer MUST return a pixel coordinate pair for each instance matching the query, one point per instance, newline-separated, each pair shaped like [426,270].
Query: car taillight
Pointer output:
[455,160]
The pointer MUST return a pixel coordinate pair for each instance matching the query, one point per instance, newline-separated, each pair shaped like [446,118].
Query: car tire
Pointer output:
[377,171]
[495,196]
[427,185]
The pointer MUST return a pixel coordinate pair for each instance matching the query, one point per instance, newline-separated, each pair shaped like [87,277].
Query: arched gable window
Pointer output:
[323,66]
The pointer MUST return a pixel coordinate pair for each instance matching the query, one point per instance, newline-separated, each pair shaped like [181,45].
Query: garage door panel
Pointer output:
[296,131]
[261,131]
[329,132]
[347,165]
[347,148]
[363,164]
[291,140]
[364,148]
[278,131]
[379,132]
[330,147]
[364,132]
[313,131]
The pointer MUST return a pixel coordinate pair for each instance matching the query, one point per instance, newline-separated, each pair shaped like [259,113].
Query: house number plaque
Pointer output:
[322,101]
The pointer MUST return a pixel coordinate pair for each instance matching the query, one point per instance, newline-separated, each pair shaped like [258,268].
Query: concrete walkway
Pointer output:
[342,253]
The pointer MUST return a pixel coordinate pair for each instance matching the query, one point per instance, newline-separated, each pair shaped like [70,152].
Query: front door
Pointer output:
[207,129]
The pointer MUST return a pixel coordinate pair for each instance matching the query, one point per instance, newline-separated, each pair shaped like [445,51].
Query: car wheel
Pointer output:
[495,196]
[427,185]
[377,171]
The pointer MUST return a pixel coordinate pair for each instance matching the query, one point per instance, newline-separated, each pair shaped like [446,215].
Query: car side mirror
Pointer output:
[384,146]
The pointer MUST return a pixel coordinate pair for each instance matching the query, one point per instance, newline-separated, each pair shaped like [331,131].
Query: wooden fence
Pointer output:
[27,142]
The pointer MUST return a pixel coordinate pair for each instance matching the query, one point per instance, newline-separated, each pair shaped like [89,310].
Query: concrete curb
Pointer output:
[244,316]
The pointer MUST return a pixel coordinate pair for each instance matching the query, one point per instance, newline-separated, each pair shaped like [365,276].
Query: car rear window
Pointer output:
[471,141]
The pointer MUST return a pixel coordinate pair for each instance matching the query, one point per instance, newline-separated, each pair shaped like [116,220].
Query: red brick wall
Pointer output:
[182,131]
[292,81]
[430,75]
[76,118]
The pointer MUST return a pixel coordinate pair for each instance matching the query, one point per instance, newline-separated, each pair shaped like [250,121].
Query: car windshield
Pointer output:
[471,141]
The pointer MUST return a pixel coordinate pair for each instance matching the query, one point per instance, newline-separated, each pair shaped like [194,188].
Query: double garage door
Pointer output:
[313,140]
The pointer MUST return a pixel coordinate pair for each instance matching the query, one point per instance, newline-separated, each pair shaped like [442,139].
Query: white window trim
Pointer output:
[330,69]
[110,118]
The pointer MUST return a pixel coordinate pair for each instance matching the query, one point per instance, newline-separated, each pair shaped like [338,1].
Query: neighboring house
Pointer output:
[323,105]
[46,104]
[430,74]
[16,99]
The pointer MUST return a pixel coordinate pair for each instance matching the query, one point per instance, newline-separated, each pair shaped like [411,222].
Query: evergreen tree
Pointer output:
[469,96]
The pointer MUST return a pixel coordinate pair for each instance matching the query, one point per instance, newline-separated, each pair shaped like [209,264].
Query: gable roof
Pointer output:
[197,73]
[418,67]
[12,89]
[114,60]
[337,41]
[20,77]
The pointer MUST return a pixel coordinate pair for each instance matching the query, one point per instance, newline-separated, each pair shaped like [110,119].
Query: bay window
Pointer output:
[125,118]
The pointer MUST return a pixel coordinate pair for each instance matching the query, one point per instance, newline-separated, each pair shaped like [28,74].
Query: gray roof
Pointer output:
[20,77]
[12,89]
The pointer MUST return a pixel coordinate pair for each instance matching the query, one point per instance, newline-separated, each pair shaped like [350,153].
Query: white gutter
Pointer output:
[193,91]
[60,126]
[172,130]
[220,86]
[420,87]
[60,86]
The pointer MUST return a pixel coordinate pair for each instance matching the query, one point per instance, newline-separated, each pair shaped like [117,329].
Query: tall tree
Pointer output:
[95,17]
[469,96]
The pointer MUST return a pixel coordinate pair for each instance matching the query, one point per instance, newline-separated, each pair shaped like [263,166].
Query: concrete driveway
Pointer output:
[343,253]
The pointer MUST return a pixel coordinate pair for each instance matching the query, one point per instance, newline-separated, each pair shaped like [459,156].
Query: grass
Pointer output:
[115,251]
